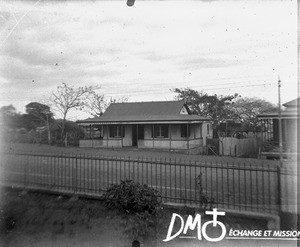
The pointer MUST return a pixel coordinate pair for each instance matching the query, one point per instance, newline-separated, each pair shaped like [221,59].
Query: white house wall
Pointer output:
[111,143]
[175,132]
[195,143]
[85,143]
[173,141]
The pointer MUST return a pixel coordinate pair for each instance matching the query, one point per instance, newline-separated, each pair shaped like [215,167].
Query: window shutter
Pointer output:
[183,130]
[123,130]
[111,131]
[166,131]
[152,130]
[155,131]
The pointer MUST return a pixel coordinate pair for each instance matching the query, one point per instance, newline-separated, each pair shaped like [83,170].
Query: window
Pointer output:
[116,131]
[161,131]
[207,127]
[185,130]
[86,132]
[97,131]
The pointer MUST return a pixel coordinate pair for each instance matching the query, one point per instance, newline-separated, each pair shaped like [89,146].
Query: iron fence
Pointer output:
[239,186]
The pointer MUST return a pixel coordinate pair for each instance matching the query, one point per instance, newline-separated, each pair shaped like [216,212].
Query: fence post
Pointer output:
[279,189]
[26,171]
[76,168]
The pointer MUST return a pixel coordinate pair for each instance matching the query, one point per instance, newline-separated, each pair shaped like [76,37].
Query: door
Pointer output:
[134,135]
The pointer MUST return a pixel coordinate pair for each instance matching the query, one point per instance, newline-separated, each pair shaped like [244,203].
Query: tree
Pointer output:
[9,117]
[214,106]
[115,100]
[246,109]
[66,98]
[97,103]
[72,128]
[40,114]
[9,110]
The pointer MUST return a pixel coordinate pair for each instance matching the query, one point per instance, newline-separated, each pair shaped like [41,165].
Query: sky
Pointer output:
[144,51]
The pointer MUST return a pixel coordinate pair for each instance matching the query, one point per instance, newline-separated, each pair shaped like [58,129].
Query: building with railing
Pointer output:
[153,125]
[269,123]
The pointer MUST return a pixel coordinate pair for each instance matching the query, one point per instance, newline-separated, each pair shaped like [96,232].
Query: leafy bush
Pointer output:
[131,197]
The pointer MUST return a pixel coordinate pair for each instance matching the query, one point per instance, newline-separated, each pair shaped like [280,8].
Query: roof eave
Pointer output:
[175,121]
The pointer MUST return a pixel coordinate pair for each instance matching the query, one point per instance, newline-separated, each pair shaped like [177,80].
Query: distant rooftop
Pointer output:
[287,113]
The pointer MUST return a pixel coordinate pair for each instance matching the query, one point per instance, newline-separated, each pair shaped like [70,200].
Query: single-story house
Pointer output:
[157,125]
[269,123]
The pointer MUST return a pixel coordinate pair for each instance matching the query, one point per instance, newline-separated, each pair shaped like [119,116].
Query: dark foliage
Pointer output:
[130,197]
[72,130]
[140,205]
[40,114]
[33,126]
[217,107]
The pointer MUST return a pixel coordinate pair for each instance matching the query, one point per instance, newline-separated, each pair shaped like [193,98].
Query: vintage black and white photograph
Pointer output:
[129,123]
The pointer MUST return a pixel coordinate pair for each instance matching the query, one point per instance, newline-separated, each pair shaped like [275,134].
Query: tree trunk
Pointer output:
[66,140]
[63,131]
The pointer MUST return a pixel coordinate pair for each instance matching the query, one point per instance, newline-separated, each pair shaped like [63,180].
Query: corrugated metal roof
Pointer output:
[292,103]
[144,108]
[145,111]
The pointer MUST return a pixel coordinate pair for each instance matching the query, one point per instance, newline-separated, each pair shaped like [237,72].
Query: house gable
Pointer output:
[184,110]
[292,104]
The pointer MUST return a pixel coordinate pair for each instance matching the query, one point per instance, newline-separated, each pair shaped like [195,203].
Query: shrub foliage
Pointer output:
[140,206]
[131,197]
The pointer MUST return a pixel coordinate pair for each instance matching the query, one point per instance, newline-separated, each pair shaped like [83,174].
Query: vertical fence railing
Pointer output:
[238,186]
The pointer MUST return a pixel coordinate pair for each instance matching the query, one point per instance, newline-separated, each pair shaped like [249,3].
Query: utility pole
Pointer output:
[48,126]
[280,122]
[280,154]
